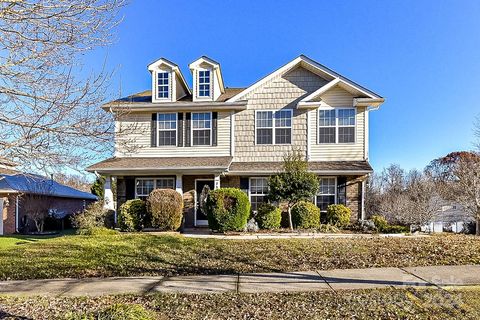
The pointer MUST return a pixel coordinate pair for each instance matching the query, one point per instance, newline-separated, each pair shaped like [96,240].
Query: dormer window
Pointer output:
[204,83]
[163,87]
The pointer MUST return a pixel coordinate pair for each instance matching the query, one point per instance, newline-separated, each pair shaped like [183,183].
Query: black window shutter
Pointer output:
[244,184]
[153,140]
[214,128]
[342,190]
[188,134]
[129,188]
[180,130]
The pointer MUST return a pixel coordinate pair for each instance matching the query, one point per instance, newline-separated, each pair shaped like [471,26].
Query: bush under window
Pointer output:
[165,207]
[132,214]
[305,215]
[228,209]
[338,215]
[268,216]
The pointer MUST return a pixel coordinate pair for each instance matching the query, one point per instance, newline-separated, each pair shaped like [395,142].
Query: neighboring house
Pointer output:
[22,195]
[176,137]
[450,218]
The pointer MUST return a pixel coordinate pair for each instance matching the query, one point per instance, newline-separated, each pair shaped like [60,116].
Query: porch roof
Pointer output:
[321,167]
[171,164]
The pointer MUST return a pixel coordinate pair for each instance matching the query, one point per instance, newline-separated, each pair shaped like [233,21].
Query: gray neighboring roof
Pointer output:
[35,184]
[159,163]
[315,166]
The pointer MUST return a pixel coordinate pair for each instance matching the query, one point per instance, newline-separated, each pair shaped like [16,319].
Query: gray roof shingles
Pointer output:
[29,183]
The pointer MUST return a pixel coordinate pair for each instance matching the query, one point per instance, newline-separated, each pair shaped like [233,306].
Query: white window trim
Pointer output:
[169,87]
[154,183]
[176,130]
[274,128]
[336,126]
[336,190]
[193,129]
[250,187]
[210,95]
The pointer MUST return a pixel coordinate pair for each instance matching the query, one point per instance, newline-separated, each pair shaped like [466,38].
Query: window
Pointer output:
[167,129]
[258,191]
[204,83]
[274,127]
[326,193]
[346,125]
[201,129]
[144,186]
[264,122]
[326,130]
[336,126]
[165,183]
[162,85]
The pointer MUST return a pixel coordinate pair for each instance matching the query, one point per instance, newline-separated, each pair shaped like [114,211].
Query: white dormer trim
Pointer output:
[216,79]
[163,65]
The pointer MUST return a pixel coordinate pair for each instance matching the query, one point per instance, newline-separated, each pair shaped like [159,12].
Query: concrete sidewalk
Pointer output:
[330,280]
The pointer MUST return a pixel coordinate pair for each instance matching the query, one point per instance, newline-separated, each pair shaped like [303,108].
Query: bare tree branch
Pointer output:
[51,115]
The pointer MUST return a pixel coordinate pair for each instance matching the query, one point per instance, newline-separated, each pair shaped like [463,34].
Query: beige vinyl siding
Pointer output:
[135,135]
[282,92]
[338,97]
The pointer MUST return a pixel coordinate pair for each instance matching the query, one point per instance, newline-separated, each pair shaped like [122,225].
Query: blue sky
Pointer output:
[422,56]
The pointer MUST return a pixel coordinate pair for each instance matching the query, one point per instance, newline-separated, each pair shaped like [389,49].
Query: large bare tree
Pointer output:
[50,115]
[458,178]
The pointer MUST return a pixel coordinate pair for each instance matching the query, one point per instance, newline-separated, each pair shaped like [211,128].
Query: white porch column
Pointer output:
[216,182]
[108,194]
[179,184]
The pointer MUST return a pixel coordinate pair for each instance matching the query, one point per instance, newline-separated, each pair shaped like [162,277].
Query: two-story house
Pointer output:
[183,138]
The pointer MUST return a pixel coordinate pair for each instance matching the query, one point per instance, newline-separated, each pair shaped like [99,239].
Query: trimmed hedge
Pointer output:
[338,215]
[165,206]
[268,216]
[228,209]
[305,215]
[382,225]
[132,214]
[379,221]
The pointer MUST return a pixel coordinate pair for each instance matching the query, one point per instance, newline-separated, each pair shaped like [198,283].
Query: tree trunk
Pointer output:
[290,217]
[477,231]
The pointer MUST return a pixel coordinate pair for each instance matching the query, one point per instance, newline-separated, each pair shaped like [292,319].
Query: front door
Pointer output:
[200,216]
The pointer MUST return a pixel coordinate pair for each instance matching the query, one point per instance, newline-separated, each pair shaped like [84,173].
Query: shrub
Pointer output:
[338,215]
[94,216]
[227,209]
[328,228]
[305,215]
[268,216]
[131,215]
[395,229]
[97,231]
[165,206]
[380,222]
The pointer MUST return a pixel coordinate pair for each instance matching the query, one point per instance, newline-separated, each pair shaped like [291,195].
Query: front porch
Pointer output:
[348,190]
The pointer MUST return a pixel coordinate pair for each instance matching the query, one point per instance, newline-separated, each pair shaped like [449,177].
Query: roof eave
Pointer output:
[173,106]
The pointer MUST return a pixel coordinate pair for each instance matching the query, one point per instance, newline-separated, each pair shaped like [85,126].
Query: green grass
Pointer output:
[359,304]
[148,254]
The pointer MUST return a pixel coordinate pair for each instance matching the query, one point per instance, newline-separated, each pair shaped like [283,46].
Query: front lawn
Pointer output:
[360,304]
[170,254]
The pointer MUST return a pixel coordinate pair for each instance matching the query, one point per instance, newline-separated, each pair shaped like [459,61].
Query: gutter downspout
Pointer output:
[16,213]
[363,200]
